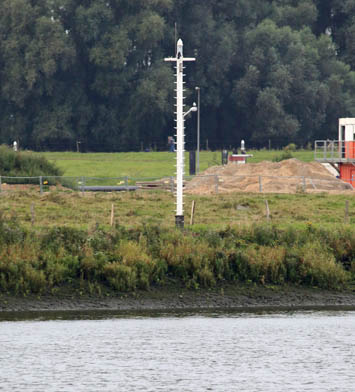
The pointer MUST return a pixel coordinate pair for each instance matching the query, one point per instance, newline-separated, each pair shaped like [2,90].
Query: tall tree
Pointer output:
[118,51]
[93,70]
[293,86]
[35,51]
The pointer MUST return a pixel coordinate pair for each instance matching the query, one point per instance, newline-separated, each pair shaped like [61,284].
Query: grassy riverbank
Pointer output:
[59,241]
[127,259]
[62,244]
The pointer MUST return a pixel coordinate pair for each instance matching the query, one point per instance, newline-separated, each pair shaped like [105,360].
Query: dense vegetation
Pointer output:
[129,259]
[64,241]
[93,71]
[15,164]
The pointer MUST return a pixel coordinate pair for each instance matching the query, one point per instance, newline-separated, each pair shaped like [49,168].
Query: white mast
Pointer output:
[180,135]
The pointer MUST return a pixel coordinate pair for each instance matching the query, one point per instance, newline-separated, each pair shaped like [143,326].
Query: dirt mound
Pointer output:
[287,176]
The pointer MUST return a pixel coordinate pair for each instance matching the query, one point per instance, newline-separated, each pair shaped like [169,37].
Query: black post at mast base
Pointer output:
[179,221]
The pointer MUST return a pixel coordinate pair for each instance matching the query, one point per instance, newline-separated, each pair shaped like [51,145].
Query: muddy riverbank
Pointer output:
[172,298]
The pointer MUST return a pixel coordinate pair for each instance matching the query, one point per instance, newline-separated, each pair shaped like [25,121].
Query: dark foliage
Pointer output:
[276,71]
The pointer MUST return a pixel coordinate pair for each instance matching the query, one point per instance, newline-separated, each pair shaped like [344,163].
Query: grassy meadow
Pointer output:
[145,164]
[84,210]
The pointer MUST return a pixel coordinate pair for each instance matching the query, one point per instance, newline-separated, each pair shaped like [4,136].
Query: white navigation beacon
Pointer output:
[180,136]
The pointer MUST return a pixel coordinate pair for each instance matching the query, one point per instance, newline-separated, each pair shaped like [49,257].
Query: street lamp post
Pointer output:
[192,109]
[198,130]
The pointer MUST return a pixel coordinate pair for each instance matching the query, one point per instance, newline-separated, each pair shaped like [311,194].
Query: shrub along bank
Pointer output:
[128,259]
[25,163]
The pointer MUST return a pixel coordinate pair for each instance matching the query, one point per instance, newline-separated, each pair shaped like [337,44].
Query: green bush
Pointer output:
[72,240]
[61,270]
[265,264]
[318,267]
[120,277]
[10,230]
[189,259]
[291,147]
[25,164]
[284,155]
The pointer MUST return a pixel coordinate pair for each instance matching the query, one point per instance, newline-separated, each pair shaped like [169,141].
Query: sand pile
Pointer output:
[287,176]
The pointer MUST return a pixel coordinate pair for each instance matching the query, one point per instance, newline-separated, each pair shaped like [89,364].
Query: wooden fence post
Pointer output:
[267,210]
[260,184]
[216,183]
[112,214]
[346,216]
[40,185]
[192,212]
[82,185]
[172,184]
[32,208]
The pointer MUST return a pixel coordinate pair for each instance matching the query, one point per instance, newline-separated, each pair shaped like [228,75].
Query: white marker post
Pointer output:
[180,136]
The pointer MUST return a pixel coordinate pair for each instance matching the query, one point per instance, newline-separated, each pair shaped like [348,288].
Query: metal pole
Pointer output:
[180,128]
[332,155]
[198,130]
[180,136]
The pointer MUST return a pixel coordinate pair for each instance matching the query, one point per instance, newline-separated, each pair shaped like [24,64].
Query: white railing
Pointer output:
[334,151]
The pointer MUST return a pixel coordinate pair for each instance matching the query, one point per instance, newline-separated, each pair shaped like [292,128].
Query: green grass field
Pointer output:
[64,207]
[84,211]
[144,164]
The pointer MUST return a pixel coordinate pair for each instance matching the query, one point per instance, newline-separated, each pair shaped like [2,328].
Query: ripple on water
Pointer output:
[267,352]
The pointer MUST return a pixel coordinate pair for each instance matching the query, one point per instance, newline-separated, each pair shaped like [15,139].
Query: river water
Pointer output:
[301,351]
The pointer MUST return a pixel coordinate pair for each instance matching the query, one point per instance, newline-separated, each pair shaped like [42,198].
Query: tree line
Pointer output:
[92,71]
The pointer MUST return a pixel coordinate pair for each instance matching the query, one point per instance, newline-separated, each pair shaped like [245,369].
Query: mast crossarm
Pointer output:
[181,59]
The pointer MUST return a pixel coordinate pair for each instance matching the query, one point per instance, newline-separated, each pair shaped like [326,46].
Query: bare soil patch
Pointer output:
[288,176]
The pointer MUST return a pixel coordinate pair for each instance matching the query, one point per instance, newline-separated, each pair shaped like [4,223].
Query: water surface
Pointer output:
[308,351]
